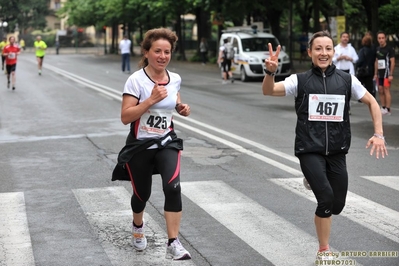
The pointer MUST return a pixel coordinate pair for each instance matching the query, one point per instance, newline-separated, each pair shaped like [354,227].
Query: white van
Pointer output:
[251,50]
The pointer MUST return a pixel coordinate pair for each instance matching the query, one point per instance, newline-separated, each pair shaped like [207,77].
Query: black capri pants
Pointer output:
[226,65]
[167,164]
[328,178]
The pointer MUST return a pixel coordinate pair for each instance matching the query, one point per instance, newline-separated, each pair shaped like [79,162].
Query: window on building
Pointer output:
[57,4]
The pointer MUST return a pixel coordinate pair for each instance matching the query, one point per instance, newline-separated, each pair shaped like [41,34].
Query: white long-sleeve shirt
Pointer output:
[124,46]
[349,51]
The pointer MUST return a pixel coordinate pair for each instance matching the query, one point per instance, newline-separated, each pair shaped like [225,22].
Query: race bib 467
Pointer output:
[326,107]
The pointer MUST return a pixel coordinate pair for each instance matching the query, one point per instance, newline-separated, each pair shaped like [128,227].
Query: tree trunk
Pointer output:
[374,19]
[114,43]
[316,15]
[273,16]
[180,42]
[202,19]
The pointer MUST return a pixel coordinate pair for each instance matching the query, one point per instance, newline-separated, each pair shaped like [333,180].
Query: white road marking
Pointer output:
[360,210]
[15,242]
[17,139]
[388,181]
[109,213]
[243,150]
[261,229]
[244,140]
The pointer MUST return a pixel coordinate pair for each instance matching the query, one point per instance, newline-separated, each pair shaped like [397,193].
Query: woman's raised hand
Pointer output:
[271,63]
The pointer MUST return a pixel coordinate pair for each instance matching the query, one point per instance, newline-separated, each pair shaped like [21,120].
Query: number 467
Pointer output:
[327,108]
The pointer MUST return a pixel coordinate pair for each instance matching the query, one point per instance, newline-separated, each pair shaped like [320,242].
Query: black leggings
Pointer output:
[167,164]
[328,178]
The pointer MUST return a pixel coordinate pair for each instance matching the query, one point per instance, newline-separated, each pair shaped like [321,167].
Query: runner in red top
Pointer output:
[11,51]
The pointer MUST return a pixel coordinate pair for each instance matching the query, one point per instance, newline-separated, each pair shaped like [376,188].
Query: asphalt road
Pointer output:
[243,201]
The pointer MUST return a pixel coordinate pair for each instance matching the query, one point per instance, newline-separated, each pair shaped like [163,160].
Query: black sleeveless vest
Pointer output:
[319,136]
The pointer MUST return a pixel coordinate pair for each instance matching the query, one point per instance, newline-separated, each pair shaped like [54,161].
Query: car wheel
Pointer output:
[243,75]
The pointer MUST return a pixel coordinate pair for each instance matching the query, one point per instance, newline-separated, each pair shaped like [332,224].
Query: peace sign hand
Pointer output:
[271,63]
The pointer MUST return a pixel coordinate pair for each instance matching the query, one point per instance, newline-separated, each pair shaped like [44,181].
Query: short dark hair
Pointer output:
[226,40]
[345,32]
[381,32]
[318,34]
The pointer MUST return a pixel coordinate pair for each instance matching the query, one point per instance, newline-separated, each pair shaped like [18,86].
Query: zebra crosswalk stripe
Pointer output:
[360,210]
[109,213]
[268,232]
[15,242]
[388,181]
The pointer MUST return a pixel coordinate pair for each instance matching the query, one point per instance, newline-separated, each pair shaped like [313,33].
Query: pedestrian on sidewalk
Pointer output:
[323,134]
[203,47]
[150,97]
[303,45]
[383,73]
[11,52]
[124,47]
[345,55]
[365,64]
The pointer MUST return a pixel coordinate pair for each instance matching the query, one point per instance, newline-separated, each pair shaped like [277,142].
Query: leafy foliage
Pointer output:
[389,17]
[27,13]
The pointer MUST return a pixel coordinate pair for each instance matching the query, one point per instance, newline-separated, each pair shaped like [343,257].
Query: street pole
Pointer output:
[75,34]
[105,39]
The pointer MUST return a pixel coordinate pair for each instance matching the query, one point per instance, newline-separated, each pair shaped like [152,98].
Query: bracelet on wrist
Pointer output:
[269,72]
[379,136]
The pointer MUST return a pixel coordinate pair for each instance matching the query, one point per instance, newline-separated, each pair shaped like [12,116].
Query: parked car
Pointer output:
[251,50]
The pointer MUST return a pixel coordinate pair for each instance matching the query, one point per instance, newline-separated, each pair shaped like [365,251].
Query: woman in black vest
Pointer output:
[323,135]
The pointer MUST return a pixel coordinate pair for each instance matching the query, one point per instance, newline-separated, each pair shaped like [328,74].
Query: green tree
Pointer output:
[141,15]
[26,13]
[389,17]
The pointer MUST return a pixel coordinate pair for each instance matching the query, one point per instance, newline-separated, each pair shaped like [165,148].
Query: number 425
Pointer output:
[157,122]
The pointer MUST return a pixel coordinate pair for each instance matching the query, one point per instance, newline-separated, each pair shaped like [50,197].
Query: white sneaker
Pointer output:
[176,251]
[386,112]
[306,184]
[139,241]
